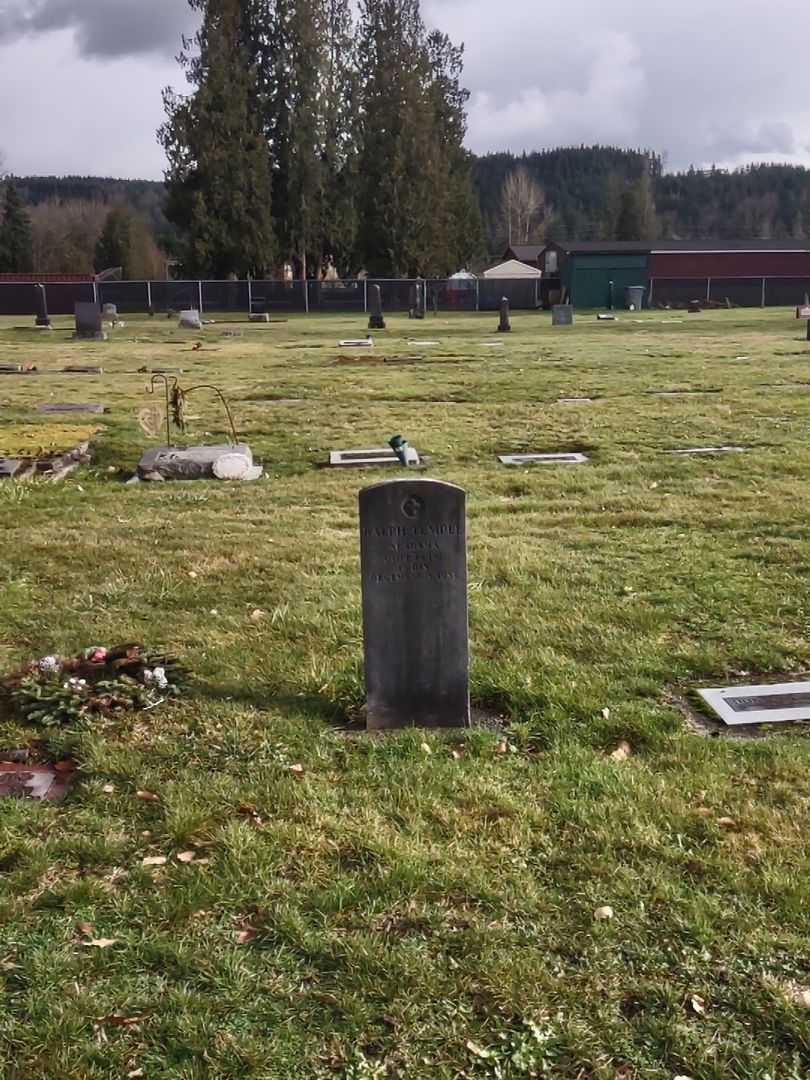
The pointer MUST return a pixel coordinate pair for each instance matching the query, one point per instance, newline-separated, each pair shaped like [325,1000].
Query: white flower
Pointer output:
[49,665]
[148,676]
[159,675]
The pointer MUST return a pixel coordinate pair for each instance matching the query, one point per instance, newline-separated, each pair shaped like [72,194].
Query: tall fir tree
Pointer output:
[16,241]
[114,247]
[219,176]
[415,194]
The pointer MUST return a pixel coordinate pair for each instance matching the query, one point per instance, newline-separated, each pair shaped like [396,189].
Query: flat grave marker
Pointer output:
[413,552]
[69,407]
[543,459]
[780,703]
[697,450]
[357,459]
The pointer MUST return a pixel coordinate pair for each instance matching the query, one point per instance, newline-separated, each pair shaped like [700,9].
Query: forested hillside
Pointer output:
[582,193]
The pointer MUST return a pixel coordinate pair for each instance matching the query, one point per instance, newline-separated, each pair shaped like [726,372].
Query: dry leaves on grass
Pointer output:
[727,823]
[120,1021]
[100,943]
[251,811]
[622,751]
[698,1005]
[147,796]
[155,860]
[297,771]
[108,789]
[186,856]
[502,747]
[244,937]
[603,914]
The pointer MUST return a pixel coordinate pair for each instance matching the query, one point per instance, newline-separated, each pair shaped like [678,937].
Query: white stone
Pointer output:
[190,320]
[710,450]
[231,467]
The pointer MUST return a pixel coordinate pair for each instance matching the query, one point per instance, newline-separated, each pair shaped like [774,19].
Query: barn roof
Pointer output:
[647,247]
[526,253]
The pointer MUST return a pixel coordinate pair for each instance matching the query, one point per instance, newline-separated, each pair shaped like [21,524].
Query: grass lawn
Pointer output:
[420,905]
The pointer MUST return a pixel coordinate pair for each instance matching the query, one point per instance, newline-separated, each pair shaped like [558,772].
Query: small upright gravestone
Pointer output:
[413,548]
[42,319]
[375,319]
[110,311]
[562,315]
[504,326]
[190,320]
[88,322]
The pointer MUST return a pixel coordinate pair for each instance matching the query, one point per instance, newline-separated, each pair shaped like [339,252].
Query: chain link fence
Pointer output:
[728,292]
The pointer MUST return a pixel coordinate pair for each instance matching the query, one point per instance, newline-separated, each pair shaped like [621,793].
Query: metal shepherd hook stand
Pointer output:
[176,405]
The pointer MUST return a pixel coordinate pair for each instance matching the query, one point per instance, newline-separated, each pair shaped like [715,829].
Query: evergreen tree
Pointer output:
[16,243]
[114,247]
[219,178]
[414,188]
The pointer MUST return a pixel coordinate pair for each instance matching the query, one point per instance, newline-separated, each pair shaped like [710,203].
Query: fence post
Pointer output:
[365,295]
[250,296]
[652,292]
[763,292]
[708,289]
[95,291]
[199,294]
[306,296]
[477,295]
[149,295]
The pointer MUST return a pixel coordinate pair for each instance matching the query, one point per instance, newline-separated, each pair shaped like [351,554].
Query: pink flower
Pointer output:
[97,656]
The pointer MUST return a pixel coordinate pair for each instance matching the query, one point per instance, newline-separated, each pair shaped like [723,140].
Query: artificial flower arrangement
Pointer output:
[59,690]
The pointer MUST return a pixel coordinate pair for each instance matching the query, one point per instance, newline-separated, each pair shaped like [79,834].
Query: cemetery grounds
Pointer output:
[419,904]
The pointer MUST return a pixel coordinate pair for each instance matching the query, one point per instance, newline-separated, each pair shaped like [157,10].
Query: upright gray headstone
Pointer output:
[110,311]
[413,548]
[419,311]
[375,319]
[562,315]
[190,320]
[88,322]
[42,306]
[504,326]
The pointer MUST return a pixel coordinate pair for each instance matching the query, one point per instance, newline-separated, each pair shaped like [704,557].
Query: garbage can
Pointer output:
[634,297]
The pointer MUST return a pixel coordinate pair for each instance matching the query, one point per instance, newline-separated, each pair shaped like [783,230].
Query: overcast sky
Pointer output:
[705,81]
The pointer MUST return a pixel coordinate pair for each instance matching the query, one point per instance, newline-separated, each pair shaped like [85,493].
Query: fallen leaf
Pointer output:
[108,789]
[622,751]
[155,860]
[456,755]
[727,823]
[67,765]
[122,1021]
[502,747]
[603,913]
[187,856]
[245,936]
[257,615]
[85,928]
[799,996]
[698,1004]
[479,1051]
[425,748]
[100,943]
[147,834]
[297,770]
[147,796]
[135,1074]
[606,713]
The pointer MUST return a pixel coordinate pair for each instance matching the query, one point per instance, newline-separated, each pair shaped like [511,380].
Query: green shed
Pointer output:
[586,271]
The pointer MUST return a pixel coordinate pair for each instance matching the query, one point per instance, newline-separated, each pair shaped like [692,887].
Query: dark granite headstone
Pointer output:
[419,310]
[562,315]
[414,573]
[504,326]
[375,320]
[88,322]
[42,306]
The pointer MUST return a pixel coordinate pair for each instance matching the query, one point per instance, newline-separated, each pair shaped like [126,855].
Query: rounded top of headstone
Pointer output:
[411,482]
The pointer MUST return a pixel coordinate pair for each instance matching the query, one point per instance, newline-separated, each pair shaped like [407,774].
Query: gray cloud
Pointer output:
[103,29]
[720,82]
